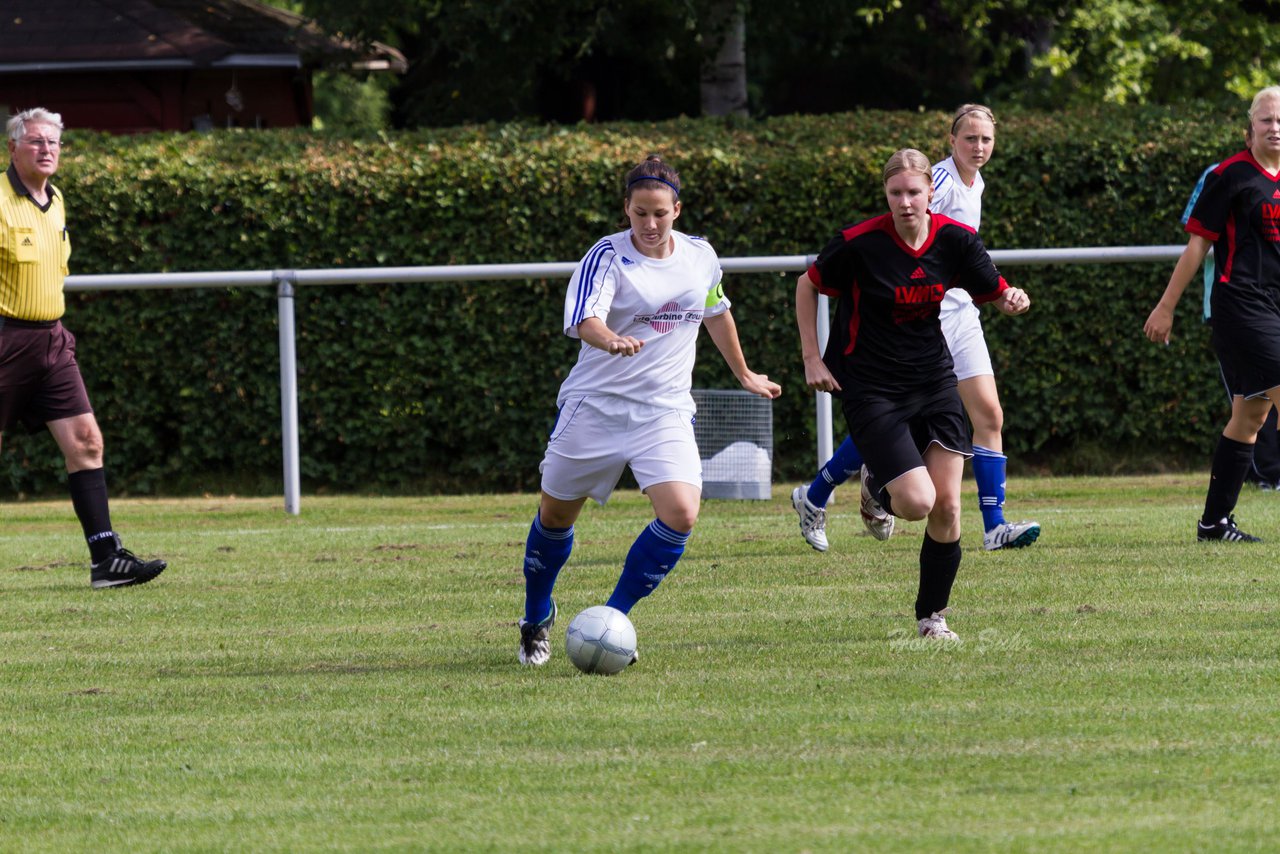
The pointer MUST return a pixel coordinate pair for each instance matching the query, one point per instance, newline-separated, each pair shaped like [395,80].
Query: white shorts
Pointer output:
[962,327]
[596,437]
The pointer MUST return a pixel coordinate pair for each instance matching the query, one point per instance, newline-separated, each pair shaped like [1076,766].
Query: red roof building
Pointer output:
[129,66]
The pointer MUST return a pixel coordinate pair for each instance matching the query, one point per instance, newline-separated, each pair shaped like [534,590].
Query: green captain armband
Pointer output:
[715,295]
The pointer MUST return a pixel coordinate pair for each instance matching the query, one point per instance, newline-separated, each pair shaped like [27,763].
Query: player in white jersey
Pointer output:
[957,193]
[636,302]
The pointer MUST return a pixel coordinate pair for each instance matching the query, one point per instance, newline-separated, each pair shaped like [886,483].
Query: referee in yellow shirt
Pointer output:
[40,383]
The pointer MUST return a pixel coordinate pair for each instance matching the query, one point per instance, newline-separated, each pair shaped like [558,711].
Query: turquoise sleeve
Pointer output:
[1208,285]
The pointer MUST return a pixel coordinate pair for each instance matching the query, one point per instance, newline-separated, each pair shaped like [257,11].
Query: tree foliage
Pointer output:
[345,103]
[567,60]
[1045,53]
[506,59]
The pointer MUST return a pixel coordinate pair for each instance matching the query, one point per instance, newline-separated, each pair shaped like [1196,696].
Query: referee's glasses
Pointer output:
[39,142]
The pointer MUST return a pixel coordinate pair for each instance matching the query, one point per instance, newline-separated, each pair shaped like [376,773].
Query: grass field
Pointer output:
[346,680]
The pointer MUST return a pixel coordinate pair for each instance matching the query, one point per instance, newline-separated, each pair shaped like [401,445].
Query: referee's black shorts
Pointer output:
[894,432]
[39,377]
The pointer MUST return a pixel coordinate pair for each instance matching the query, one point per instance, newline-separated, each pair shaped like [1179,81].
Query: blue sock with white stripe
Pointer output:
[545,552]
[988,471]
[844,463]
[652,556]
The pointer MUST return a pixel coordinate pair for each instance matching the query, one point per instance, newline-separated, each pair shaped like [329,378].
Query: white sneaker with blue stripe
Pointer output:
[1011,535]
[813,520]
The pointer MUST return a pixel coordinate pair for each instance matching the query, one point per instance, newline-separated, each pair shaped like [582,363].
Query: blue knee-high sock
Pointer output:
[545,552]
[988,471]
[844,463]
[652,556]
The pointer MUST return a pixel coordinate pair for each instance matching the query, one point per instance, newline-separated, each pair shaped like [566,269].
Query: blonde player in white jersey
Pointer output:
[636,301]
[957,193]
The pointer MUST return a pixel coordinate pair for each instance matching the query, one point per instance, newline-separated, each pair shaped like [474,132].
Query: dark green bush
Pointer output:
[452,387]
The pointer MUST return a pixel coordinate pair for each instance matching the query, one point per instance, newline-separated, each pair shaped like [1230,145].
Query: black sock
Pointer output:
[89,498]
[1231,462]
[939,563]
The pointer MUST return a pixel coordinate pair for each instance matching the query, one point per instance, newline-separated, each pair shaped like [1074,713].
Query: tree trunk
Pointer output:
[724,73]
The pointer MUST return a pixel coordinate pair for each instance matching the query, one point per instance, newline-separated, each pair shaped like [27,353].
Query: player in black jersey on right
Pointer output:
[889,364]
[1238,213]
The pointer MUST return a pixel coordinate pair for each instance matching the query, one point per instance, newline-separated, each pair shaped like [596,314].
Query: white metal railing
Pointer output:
[286,283]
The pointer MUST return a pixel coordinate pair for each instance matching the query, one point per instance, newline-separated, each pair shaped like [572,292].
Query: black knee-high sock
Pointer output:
[89,498]
[1231,462]
[939,563]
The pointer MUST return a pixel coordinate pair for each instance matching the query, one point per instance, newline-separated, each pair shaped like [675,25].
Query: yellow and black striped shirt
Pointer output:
[34,249]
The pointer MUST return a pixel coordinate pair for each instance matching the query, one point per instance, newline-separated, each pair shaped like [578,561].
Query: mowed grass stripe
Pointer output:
[346,680]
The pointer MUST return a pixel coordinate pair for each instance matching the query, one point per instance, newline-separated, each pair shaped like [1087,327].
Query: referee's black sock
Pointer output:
[1231,462]
[939,563]
[89,498]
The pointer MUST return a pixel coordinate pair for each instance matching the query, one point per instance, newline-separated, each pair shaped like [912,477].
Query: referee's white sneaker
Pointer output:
[535,640]
[1011,535]
[935,626]
[813,520]
[878,522]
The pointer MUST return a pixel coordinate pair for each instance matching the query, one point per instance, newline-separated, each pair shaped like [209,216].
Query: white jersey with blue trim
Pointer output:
[659,301]
[951,197]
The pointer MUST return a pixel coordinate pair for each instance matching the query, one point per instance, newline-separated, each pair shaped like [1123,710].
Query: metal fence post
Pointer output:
[821,398]
[285,281]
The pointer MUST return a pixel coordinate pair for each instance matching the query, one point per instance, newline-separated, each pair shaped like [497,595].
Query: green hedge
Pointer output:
[430,387]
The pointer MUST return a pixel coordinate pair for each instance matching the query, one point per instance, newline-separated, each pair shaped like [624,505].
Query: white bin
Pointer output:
[734,430]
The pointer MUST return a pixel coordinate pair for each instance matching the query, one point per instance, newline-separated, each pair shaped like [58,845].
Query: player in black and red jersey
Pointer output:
[888,362]
[1238,213]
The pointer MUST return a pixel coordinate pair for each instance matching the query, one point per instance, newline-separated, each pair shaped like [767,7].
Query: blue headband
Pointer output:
[673,187]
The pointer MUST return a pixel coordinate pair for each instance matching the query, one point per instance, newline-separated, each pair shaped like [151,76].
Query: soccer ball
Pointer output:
[600,640]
